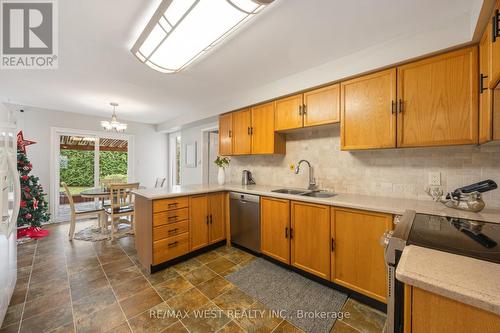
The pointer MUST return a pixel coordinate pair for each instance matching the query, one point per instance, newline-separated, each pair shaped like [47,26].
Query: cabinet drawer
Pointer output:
[170,248]
[170,230]
[170,216]
[169,204]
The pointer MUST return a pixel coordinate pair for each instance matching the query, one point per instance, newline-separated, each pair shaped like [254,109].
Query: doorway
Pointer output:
[84,161]
[210,152]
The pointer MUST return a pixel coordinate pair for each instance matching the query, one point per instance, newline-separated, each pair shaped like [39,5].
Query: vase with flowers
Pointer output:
[222,162]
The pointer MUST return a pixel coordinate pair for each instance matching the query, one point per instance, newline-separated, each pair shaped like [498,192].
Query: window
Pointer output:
[175,159]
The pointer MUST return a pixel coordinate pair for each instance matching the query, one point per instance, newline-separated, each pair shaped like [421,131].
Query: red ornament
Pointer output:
[28,216]
[25,177]
[23,204]
[35,204]
[21,143]
[27,189]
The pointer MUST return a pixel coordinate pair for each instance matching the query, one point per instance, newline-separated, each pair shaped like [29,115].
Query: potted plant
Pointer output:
[222,163]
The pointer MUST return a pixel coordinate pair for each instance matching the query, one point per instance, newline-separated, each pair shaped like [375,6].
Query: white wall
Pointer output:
[150,147]
[190,135]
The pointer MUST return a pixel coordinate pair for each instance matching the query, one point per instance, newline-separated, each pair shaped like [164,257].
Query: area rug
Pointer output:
[307,304]
[94,234]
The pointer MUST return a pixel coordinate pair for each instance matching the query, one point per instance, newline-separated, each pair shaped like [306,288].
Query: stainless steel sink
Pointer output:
[290,191]
[319,194]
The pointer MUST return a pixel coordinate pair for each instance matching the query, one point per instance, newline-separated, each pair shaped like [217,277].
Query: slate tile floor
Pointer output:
[81,286]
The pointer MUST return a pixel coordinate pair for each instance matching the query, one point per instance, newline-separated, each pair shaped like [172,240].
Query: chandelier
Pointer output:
[114,124]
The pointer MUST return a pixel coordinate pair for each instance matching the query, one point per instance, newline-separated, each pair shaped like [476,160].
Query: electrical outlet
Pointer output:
[435,178]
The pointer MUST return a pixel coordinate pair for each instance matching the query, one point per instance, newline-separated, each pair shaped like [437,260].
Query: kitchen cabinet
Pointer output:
[357,259]
[225,134]
[264,139]
[242,139]
[322,106]
[288,113]
[438,100]
[309,235]
[429,312]
[494,26]
[368,111]
[312,108]
[207,225]
[275,228]
[485,93]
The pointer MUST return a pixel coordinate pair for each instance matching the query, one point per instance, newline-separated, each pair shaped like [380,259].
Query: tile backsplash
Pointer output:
[391,172]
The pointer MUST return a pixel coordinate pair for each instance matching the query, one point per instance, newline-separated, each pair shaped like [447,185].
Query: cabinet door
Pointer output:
[217,230]
[225,134]
[275,228]
[485,94]
[199,219]
[242,142]
[434,313]
[322,106]
[264,140]
[495,49]
[368,117]
[288,113]
[357,257]
[439,98]
[310,239]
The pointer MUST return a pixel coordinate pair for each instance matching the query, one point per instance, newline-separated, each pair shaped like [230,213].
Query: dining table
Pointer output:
[101,193]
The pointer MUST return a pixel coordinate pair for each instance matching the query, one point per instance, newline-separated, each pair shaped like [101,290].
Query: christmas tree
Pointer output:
[34,207]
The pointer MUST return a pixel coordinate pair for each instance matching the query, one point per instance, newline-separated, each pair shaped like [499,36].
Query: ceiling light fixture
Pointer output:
[113,125]
[181,31]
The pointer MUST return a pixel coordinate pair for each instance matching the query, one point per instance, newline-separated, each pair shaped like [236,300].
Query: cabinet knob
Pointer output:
[401,105]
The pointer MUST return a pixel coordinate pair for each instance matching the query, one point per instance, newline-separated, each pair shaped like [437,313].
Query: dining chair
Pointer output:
[121,207]
[160,181]
[97,211]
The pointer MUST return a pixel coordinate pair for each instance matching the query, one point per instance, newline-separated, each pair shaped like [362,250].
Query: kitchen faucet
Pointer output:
[312,180]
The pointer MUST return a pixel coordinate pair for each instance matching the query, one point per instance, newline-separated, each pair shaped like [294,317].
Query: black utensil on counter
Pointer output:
[481,187]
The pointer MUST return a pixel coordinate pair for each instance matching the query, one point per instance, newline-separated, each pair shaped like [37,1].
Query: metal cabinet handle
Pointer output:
[230,133]
[291,233]
[211,219]
[333,244]
[207,219]
[300,110]
[393,107]
[173,204]
[481,83]
[401,105]
[173,244]
[304,109]
[173,217]
[173,231]
[286,232]
[248,130]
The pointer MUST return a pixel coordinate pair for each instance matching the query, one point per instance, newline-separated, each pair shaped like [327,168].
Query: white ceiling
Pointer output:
[289,37]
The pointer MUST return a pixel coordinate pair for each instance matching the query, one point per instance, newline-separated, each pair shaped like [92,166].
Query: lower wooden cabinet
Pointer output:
[170,248]
[431,313]
[309,234]
[275,228]
[357,260]
[206,219]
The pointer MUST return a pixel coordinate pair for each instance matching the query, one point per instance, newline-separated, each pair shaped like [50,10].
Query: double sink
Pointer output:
[306,193]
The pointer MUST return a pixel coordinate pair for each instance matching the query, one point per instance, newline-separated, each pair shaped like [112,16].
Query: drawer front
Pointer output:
[170,248]
[169,204]
[170,230]
[171,216]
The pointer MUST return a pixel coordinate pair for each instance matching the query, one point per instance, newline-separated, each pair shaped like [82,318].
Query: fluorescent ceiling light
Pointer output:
[181,31]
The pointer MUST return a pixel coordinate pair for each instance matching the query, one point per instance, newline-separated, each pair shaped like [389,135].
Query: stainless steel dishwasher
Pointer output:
[245,220]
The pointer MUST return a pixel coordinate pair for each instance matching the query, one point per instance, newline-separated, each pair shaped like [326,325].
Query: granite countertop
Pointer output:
[467,280]
[356,201]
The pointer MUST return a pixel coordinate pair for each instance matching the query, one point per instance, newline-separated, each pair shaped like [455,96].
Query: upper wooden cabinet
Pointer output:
[438,100]
[485,93]
[288,113]
[309,234]
[275,228]
[495,46]
[316,107]
[250,131]
[357,257]
[368,115]
[242,139]
[225,134]
[264,139]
